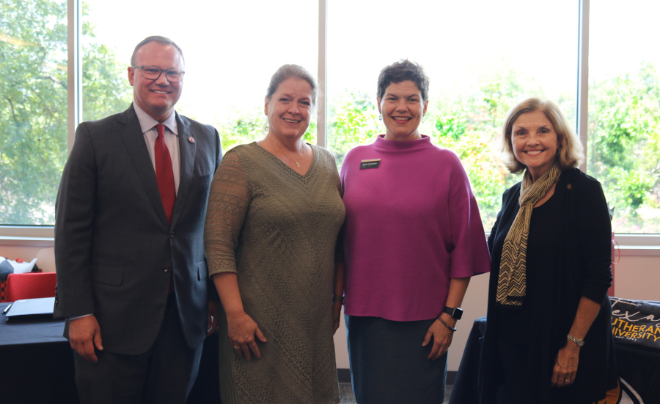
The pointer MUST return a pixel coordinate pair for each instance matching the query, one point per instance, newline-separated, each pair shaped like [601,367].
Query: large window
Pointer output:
[33,108]
[482,58]
[624,111]
[231,50]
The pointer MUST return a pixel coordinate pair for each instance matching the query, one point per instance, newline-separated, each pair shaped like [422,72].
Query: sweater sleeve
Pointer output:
[469,255]
[595,232]
[227,207]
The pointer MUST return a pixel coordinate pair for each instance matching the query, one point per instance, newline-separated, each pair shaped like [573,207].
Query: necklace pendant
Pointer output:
[297,165]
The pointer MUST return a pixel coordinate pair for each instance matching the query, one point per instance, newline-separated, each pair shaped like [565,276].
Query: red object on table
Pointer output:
[30,286]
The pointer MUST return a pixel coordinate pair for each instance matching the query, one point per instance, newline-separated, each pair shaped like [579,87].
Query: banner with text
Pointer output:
[636,322]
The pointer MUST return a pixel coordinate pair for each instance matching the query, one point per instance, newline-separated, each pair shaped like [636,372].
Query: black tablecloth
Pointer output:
[37,365]
[465,389]
[639,370]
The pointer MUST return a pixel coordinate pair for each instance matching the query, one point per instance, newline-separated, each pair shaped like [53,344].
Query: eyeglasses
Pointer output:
[153,73]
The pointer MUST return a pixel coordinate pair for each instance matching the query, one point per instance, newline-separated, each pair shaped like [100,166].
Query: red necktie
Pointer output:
[164,173]
[165,179]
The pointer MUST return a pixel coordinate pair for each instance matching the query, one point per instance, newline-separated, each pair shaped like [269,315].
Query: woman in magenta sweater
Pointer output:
[413,238]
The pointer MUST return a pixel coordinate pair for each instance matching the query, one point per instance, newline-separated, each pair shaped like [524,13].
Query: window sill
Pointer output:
[27,236]
[644,245]
[638,251]
[27,241]
[638,245]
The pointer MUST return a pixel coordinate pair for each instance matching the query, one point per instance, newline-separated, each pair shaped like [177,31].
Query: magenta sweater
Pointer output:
[412,223]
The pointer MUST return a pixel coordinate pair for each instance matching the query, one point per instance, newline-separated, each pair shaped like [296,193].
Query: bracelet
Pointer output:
[446,325]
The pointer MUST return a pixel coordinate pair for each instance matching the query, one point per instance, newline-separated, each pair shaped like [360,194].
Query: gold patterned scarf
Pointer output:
[512,281]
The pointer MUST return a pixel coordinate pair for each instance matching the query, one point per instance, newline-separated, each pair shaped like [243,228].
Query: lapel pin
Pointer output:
[191,139]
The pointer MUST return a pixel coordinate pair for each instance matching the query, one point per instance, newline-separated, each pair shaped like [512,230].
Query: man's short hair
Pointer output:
[155,38]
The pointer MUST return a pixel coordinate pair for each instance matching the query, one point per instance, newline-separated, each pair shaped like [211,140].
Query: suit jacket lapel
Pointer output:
[137,149]
[187,151]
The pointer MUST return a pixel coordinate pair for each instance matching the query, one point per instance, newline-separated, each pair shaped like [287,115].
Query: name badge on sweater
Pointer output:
[373,163]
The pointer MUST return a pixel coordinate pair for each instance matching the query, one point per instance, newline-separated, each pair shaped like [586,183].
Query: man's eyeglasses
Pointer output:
[153,73]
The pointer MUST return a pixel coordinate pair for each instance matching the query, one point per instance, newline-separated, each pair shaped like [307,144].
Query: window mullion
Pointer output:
[74,68]
[582,112]
[322,77]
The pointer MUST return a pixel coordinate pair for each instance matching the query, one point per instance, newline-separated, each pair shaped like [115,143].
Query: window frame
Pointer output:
[37,236]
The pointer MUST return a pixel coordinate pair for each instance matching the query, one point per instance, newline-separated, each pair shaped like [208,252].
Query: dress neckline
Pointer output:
[402,146]
[283,164]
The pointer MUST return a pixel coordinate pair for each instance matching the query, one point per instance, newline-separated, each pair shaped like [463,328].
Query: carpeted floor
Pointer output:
[346,393]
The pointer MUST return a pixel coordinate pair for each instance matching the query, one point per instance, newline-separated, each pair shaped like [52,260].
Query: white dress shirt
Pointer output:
[148,126]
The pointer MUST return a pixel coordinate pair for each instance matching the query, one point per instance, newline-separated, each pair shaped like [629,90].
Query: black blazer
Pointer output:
[584,269]
[114,248]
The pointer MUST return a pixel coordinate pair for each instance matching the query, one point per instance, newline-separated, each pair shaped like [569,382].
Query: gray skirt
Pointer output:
[389,363]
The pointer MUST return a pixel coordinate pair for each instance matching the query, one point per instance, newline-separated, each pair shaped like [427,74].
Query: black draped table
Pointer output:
[639,370]
[37,365]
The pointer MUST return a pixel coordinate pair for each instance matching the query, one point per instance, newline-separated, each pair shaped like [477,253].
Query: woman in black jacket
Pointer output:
[548,335]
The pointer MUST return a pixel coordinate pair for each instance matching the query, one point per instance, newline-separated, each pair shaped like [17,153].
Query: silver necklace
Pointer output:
[287,157]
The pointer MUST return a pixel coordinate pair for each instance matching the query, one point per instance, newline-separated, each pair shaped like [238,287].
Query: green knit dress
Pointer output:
[277,230]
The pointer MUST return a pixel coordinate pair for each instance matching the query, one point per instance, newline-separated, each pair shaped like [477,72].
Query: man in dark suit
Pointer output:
[132,277]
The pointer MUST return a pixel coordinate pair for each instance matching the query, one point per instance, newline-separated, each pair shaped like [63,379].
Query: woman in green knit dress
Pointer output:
[274,213]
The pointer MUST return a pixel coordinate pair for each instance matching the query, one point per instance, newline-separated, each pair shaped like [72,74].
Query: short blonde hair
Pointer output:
[570,149]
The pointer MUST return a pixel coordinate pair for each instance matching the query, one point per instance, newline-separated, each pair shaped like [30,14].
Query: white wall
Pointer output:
[637,277]
[13,252]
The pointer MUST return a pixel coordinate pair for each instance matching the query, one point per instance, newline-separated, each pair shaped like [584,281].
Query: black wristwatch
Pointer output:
[337,298]
[455,312]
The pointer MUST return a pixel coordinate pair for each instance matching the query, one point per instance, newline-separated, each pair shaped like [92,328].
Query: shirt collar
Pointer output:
[147,123]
